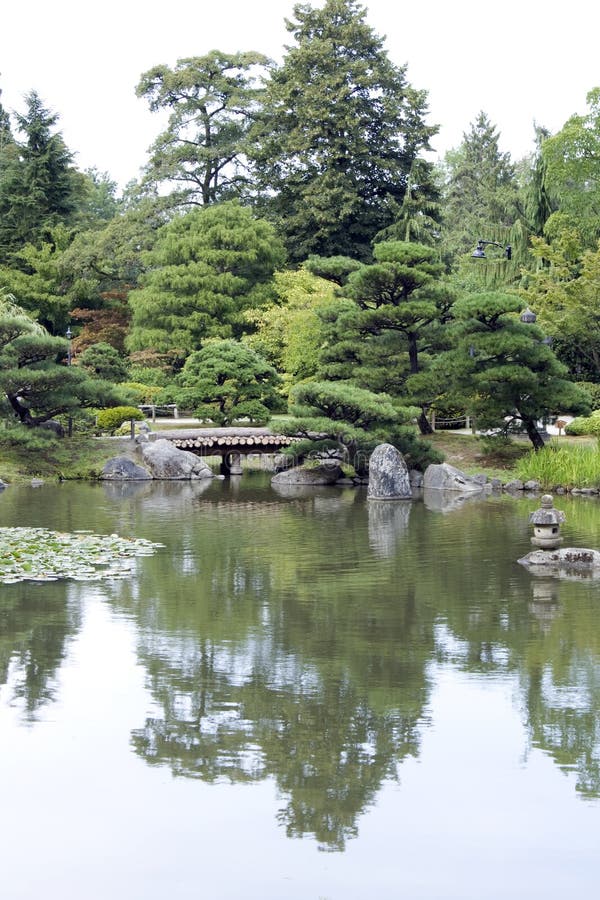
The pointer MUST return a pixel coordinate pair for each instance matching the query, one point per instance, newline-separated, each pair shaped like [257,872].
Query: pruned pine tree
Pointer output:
[206,269]
[501,371]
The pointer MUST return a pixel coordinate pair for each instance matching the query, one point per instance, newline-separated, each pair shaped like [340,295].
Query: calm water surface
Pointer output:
[303,695]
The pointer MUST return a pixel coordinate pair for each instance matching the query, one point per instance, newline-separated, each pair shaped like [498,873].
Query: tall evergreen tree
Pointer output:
[37,188]
[211,101]
[340,131]
[481,189]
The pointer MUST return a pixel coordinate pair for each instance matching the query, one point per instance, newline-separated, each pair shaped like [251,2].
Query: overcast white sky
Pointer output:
[519,60]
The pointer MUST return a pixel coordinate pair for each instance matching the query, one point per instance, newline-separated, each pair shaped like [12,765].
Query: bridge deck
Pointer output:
[222,441]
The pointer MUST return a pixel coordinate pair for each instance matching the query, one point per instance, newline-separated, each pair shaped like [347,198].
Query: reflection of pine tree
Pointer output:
[34,630]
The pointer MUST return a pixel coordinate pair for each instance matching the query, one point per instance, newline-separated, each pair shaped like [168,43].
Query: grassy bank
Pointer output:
[70,458]
[568,461]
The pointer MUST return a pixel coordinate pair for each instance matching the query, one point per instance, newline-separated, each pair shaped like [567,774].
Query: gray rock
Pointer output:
[416,478]
[324,473]
[167,462]
[575,558]
[496,484]
[388,475]
[531,485]
[121,468]
[444,477]
[514,485]
[481,478]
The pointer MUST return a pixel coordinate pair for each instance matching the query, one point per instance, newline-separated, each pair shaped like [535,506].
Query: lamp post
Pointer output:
[69,335]
[479,252]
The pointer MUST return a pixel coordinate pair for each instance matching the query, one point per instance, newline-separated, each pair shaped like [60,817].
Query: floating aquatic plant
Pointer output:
[38,554]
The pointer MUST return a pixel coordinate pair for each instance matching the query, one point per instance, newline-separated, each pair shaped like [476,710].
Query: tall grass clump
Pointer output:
[561,466]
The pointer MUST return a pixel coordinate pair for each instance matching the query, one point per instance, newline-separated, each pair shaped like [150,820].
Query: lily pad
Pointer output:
[38,554]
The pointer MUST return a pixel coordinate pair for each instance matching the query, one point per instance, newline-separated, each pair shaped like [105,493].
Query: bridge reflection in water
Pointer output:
[228,443]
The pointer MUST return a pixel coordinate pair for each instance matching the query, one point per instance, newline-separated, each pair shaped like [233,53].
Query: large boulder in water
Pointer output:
[444,477]
[388,475]
[324,473]
[121,468]
[167,462]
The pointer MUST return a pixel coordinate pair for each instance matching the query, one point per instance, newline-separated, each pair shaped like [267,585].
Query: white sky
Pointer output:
[519,60]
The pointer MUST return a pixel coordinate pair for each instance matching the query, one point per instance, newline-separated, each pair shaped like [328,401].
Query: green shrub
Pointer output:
[583,424]
[111,419]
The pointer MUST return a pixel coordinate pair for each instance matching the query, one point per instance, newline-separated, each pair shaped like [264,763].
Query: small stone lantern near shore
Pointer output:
[546,523]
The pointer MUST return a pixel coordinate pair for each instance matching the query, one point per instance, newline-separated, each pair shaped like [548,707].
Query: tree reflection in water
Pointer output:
[298,638]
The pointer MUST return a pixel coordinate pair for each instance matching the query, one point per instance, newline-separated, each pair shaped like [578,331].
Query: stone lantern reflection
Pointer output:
[546,523]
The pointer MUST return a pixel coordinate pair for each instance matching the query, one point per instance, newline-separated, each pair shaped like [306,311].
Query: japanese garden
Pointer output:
[289,667]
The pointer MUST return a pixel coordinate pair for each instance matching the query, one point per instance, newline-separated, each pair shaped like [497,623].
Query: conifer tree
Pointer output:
[501,371]
[212,101]
[207,267]
[38,188]
[481,190]
[340,131]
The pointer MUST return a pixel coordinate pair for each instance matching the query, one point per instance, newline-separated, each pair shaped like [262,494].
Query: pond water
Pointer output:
[302,695]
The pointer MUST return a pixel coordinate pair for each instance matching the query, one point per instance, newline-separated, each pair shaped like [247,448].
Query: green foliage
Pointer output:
[340,130]
[38,185]
[593,392]
[112,419]
[207,268]
[500,368]
[290,333]
[103,361]
[35,277]
[564,466]
[480,191]
[35,383]
[582,425]
[228,381]
[565,293]
[390,331]
[141,393]
[343,420]
[572,158]
[212,101]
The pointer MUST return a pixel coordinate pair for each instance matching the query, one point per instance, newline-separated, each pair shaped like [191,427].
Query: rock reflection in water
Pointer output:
[448,501]
[388,521]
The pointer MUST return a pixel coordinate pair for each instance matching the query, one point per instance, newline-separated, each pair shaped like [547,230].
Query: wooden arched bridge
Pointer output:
[229,443]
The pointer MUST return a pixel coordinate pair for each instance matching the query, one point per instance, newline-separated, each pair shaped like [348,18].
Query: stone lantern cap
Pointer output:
[547,515]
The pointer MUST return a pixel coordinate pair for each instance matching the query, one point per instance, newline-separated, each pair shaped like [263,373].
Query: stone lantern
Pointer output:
[546,523]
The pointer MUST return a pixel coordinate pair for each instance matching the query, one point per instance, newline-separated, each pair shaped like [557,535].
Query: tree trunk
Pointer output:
[533,434]
[423,422]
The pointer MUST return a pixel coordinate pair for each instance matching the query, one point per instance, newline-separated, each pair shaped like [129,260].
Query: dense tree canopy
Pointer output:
[212,101]
[501,369]
[340,130]
[205,270]
[38,184]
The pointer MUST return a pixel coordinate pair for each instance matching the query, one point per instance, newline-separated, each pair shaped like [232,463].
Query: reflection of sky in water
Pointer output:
[490,671]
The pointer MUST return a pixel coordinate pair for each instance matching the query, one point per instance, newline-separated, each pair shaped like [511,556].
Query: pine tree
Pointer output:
[501,371]
[37,187]
[206,269]
[480,191]
[340,131]
[212,101]
[393,324]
